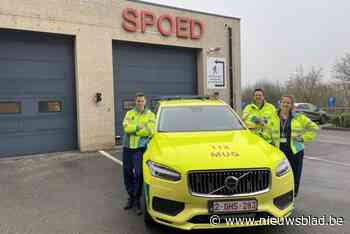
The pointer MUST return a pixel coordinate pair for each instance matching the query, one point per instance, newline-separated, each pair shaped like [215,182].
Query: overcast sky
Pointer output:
[277,36]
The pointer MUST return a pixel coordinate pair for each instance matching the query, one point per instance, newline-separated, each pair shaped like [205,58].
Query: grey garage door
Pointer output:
[37,93]
[154,70]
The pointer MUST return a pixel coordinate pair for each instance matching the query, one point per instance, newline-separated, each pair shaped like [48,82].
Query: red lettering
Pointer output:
[147,19]
[130,23]
[160,25]
[196,24]
[182,27]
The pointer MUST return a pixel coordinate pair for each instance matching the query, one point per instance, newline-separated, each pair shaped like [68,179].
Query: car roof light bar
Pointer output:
[181,97]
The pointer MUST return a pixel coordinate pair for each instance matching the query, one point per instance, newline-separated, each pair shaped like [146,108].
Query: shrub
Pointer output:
[335,120]
[340,120]
[345,120]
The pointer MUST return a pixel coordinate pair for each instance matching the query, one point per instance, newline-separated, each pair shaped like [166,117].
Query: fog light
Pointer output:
[283,201]
[166,206]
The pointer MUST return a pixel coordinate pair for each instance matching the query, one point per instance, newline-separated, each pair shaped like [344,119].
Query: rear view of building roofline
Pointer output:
[69,69]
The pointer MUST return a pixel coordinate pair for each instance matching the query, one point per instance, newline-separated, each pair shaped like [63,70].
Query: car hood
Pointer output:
[213,150]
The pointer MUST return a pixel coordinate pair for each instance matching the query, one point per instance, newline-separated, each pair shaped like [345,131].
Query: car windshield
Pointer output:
[198,118]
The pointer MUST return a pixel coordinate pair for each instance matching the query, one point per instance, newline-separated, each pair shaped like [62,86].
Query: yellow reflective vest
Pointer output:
[302,130]
[138,128]
[251,113]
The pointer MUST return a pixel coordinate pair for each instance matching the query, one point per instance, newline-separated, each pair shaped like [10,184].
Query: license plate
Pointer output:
[231,206]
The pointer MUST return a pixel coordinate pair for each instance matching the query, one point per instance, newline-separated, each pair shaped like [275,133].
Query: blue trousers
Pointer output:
[132,169]
[296,162]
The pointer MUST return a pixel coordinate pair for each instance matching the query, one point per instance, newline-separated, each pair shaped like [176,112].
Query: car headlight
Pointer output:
[163,172]
[283,167]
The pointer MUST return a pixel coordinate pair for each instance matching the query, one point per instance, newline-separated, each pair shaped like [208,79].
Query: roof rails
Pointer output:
[181,97]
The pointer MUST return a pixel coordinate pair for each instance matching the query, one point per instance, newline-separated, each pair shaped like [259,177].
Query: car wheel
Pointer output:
[148,220]
[323,119]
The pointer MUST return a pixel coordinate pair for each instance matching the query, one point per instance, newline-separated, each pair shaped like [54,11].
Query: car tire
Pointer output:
[323,119]
[148,220]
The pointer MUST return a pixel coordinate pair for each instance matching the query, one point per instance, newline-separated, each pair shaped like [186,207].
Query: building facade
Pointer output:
[69,68]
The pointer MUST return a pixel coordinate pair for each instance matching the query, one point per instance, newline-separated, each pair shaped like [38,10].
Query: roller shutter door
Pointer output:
[37,93]
[153,70]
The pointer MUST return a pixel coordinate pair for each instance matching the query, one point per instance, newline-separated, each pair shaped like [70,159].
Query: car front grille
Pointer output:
[217,183]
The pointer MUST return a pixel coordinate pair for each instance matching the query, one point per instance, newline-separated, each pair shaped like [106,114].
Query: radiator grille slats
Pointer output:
[206,182]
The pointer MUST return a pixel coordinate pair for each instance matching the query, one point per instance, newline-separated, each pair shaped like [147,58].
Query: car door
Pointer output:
[311,112]
[305,109]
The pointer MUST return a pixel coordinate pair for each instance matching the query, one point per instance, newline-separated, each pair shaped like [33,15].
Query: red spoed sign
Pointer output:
[167,25]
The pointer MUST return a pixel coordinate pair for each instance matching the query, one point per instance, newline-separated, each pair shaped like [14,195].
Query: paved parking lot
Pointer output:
[83,193]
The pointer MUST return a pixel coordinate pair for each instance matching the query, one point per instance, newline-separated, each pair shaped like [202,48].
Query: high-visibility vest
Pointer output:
[134,136]
[250,114]
[302,130]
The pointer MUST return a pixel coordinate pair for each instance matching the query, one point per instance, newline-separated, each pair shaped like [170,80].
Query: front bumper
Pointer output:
[171,204]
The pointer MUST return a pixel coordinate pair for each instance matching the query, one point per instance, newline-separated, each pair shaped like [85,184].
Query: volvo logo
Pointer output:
[231,182]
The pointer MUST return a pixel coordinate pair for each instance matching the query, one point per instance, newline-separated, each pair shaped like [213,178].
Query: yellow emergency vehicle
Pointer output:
[203,162]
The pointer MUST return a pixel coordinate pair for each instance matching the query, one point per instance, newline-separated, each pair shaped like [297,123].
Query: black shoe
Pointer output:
[129,204]
[138,208]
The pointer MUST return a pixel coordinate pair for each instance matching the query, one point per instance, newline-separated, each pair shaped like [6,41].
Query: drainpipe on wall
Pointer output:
[230,63]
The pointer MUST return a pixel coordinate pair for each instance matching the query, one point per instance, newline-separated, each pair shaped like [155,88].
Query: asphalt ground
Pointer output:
[76,192]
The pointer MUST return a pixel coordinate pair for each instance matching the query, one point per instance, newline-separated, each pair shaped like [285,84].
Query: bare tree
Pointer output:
[342,75]
[306,87]
[337,91]
[342,68]
[272,90]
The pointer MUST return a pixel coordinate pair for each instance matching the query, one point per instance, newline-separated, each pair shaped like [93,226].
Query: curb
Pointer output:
[336,129]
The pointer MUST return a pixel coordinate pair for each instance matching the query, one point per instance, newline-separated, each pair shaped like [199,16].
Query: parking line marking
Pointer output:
[328,161]
[332,142]
[111,157]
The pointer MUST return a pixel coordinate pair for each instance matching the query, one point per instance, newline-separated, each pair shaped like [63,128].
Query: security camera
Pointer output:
[226,25]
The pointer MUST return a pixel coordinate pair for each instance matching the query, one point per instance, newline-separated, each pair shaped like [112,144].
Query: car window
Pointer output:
[303,107]
[313,107]
[198,118]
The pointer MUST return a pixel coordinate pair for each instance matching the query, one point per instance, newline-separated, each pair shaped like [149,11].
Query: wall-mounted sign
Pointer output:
[216,73]
[331,102]
[167,25]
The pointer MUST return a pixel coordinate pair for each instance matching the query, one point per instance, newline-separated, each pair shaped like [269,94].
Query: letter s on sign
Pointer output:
[131,21]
